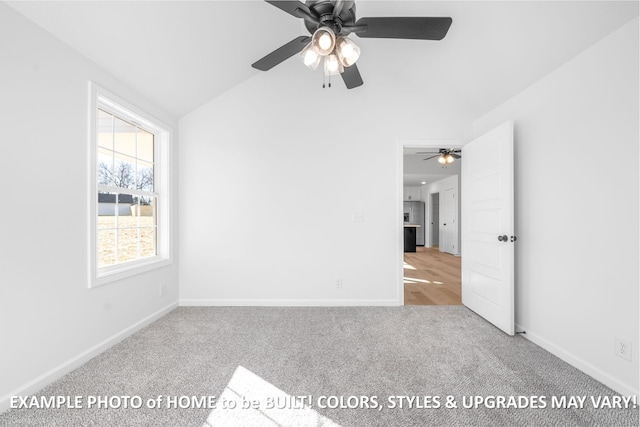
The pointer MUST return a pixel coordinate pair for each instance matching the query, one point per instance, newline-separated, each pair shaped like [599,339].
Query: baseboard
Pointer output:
[285,303]
[59,371]
[578,363]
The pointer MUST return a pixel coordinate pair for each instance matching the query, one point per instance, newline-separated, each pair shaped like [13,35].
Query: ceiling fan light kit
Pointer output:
[445,156]
[446,159]
[337,52]
[330,22]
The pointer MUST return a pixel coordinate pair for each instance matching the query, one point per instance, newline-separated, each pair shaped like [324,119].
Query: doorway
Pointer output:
[431,276]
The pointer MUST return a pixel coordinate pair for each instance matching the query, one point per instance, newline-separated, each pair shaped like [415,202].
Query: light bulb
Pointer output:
[323,41]
[332,65]
[348,51]
[442,160]
[449,158]
[310,57]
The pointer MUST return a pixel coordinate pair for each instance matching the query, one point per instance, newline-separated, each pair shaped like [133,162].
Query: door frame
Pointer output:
[400,145]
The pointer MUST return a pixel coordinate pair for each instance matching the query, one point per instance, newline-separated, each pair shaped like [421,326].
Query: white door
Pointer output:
[488,228]
[449,223]
[435,220]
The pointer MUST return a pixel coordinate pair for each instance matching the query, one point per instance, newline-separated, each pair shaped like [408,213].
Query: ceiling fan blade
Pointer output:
[351,77]
[421,28]
[282,53]
[292,7]
[429,158]
[455,156]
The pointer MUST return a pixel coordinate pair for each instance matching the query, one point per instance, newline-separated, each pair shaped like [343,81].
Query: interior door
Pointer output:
[488,228]
[449,223]
[435,219]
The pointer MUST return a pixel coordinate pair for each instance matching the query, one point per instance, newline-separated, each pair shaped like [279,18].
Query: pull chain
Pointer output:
[324,76]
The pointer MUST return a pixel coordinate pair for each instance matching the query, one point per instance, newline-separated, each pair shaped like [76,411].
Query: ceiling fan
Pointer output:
[445,155]
[330,22]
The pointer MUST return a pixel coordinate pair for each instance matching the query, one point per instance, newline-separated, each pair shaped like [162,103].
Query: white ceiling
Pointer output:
[181,54]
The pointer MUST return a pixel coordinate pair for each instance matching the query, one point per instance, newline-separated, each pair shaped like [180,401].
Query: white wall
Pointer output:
[271,174]
[51,320]
[576,139]
[452,182]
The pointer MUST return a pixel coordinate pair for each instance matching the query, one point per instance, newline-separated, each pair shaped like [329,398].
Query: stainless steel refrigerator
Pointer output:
[414,214]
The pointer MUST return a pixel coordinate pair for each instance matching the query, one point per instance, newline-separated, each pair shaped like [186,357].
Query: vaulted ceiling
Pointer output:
[181,54]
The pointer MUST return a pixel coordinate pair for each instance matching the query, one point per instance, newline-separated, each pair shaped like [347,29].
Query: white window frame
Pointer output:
[100,98]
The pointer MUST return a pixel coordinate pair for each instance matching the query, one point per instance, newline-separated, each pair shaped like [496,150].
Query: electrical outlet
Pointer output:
[358,217]
[623,348]
[162,290]
[338,283]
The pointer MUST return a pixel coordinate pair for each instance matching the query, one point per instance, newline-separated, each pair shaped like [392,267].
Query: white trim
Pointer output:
[100,97]
[129,269]
[579,363]
[111,189]
[64,368]
[285,303]
[400,224]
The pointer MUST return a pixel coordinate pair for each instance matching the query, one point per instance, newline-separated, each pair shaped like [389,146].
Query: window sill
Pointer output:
[124,271]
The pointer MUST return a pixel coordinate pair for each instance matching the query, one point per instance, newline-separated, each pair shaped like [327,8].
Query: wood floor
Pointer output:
[431,277]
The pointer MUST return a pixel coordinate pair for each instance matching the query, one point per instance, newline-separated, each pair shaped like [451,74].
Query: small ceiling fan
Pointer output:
[330,22]
[445,155]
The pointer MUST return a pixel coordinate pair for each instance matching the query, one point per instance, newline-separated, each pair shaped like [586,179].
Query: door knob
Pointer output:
[503,238]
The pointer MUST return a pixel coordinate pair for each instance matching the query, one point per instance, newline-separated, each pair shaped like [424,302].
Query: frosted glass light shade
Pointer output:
[324,40]
[332,65]
[348,52]
[310,57]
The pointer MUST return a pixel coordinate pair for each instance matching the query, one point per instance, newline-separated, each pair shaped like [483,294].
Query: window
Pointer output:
[129,230]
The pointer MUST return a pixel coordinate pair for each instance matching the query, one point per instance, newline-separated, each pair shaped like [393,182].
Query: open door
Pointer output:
[488,228]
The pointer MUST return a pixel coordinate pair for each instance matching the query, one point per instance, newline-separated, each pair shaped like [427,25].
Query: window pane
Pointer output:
[124,140]
[106,248]
[145,176]
[124,172]
[127,242]
[148,221]
[107,208]
[145,211]
[145,146]
[106,222]
[105,167]
[147,242]
[105,130]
